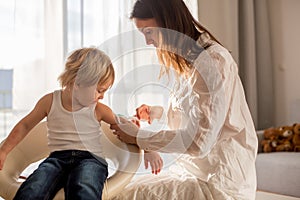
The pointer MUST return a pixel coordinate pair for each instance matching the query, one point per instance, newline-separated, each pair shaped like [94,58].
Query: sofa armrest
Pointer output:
[260,137]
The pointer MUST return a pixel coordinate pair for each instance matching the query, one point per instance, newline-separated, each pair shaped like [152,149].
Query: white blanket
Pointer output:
[171,185]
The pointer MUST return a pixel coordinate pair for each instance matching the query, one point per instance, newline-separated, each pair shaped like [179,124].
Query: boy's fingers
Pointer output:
[114,127]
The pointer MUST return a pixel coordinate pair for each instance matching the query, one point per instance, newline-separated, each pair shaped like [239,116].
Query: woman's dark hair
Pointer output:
[173,15]
[170,14]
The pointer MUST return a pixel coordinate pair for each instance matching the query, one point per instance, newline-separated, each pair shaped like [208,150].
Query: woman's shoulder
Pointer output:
[214,52]
[217,52]
[219,60]
[219,49]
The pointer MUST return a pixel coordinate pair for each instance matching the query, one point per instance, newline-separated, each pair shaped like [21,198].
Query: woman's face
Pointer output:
[149,28]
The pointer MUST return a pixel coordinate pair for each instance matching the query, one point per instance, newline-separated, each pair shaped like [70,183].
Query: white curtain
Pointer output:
[31,46]
[28,47]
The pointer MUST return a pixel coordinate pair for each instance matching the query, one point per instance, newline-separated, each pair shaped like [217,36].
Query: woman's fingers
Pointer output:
[143,112]
[156,166]
[146,164]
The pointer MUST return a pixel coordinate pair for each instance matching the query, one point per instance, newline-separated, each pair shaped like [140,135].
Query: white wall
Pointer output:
[221,18]
[285,28]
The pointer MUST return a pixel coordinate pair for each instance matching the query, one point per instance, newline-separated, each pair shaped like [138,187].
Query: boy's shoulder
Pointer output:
[47,97]
[101,107]
[102,110]
[45,102]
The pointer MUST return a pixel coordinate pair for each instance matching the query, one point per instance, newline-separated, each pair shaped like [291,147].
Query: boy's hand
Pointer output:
[153,158]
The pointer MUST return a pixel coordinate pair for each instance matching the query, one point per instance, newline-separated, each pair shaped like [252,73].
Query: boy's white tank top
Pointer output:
[78,130]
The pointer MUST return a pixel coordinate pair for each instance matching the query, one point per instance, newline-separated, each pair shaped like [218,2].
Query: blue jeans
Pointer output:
[81,174]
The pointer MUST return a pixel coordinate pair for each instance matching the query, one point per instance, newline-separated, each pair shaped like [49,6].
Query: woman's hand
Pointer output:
[126,131]
[135,121]
[143,113]
[153,158]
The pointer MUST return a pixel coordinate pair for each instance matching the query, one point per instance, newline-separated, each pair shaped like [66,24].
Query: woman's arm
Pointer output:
[205,107]
[205,104]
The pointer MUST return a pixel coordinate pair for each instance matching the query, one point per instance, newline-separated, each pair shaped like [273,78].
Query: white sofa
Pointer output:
[278,172]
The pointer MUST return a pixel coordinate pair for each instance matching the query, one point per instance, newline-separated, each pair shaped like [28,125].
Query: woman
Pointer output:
[209,120]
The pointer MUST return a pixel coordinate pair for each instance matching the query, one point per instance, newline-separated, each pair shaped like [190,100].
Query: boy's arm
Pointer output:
[151,158]
[23,127]
[104,113]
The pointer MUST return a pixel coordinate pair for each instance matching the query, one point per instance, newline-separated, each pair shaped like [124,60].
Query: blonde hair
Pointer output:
[87,67]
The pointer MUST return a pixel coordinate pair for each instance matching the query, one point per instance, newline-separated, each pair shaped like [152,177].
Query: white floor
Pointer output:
[270,196]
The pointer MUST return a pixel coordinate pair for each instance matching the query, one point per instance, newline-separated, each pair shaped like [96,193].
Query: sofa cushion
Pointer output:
[279,172]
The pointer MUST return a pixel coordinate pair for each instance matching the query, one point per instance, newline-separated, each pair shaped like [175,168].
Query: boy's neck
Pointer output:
[67,100]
